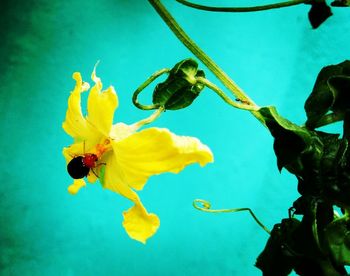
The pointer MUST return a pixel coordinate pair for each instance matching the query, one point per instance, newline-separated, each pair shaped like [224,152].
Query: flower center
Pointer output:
[103,148]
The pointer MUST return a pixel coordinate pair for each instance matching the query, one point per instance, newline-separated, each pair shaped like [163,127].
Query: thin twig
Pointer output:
[206,207]
[242,9]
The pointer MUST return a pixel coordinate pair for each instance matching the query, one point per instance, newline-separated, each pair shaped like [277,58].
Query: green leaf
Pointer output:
[337,235]
[341,3]
[277,258]
[318,13]
[292,246]
[340,87]
[181,88]
[291,141]
[329,92]
[337,173]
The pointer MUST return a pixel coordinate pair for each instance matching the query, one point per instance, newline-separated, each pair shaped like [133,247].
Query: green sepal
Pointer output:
[337,236]
[101,176]
[181,88]
[291,141]
[330,93]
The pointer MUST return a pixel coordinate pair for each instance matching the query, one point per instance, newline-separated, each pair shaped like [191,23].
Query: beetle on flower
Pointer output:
[123,157]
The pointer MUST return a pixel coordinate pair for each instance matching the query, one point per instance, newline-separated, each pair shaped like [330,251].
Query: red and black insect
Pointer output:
[80,166]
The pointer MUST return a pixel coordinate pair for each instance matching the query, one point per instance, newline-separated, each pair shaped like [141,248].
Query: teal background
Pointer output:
[273,55]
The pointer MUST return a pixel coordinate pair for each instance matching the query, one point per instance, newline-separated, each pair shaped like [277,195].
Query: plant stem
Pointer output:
[243,9]
[218,91]
[155,115]
[143,86]
[207,61]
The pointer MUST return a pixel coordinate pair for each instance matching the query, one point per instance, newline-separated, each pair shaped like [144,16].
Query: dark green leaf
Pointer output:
[337,175]
[341,3]
[330,89]
[337,235]
[291,141]
[277,257]
[340,87]
[318,13]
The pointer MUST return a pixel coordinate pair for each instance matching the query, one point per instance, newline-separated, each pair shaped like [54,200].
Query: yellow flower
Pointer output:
[123,158]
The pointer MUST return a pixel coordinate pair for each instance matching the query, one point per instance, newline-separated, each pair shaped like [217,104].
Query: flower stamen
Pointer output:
[103,148]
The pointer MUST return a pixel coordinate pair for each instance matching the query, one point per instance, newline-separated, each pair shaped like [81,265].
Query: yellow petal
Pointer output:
[138,223]
[101,105]
[75,123]
[94,173]
[72,151]
[91,177]
[75,187]
[154,151]
[121,131]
